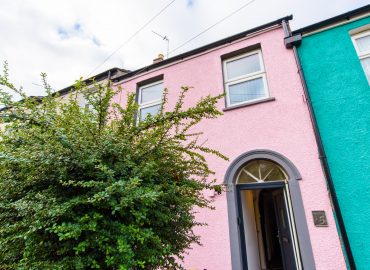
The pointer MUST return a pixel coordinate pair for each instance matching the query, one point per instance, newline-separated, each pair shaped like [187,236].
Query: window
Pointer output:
[150,99]
[362,46]
[245,79]
[259,171]
[82,98]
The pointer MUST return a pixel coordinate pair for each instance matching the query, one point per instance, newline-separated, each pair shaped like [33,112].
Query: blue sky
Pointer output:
[190,3]
[76,31]
[68,39]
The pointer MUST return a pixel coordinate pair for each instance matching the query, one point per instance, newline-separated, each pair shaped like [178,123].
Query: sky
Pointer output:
[71,39]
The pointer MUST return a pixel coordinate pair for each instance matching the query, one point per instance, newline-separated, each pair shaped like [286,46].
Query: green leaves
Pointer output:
[90,188]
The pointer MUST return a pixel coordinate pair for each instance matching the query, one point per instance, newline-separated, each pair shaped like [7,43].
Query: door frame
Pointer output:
[302,232]
[239,189]
[291,224]
[268,185]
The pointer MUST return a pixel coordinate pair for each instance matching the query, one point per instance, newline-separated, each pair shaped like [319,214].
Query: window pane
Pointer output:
[363,43]
[243,66]
[252,168]
[275,175]
[151,93]
[258,171]
[153,110]
[366,66]
[246,91]
[82,102]
[245,178]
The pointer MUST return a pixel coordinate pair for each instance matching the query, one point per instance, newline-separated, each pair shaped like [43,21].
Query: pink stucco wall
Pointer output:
[282,125]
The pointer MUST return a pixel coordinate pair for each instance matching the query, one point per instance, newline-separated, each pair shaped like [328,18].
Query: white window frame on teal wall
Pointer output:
[150,103]
[244,78]
[362,55]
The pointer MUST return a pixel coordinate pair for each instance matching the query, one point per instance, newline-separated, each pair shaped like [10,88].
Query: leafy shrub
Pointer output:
[92,188]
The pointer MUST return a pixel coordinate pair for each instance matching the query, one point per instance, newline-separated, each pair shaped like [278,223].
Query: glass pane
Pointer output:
[243,66]
[363,43]
[366,66]
[153,110]
[276,175]
[245,178]
[82,102]
[246,91]
[252,168]
[267,167]
[150,93]
[258,171]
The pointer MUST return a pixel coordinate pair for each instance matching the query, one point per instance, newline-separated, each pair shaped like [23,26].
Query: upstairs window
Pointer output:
[362,45]
[150,99]
[245,79]
[82,97]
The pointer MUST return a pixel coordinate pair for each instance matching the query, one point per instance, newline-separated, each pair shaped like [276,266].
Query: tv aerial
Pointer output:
[165,38]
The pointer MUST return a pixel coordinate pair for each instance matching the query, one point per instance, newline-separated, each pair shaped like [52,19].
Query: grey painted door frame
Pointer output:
[236,231]
[239,188]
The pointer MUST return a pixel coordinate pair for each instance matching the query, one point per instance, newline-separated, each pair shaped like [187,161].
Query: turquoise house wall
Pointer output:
[340,97]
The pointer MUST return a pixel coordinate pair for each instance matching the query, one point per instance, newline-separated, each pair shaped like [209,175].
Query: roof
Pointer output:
[333,20]
[101,76]
[202,49]
[36,98]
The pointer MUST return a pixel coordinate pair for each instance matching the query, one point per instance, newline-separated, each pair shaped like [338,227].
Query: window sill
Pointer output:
[248,104]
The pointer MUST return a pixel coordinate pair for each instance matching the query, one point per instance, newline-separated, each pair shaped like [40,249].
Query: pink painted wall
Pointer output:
[282,125]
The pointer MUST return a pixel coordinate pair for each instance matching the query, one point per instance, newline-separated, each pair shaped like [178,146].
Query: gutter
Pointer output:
[334,20]
[293,41]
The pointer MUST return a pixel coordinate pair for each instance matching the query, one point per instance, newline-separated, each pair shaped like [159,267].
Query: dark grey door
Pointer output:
[284,233]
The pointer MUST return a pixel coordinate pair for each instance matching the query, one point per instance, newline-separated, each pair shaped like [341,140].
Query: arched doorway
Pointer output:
[264,198]
[267,223]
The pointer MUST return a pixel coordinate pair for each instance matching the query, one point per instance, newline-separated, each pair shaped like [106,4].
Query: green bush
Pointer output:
[86,188]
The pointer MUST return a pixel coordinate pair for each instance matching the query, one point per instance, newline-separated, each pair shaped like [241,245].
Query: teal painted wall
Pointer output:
[340,97]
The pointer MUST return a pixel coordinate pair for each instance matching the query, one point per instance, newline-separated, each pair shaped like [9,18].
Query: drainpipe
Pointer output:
[292,42]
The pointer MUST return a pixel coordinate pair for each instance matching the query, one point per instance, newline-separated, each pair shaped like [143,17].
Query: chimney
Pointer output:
[158,59]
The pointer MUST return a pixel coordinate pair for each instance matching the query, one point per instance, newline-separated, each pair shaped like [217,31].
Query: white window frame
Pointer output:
[149,103]
[82,101]
[361,55]
[246,77]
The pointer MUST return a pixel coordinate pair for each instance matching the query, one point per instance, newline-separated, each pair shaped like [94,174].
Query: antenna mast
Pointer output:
[167,40]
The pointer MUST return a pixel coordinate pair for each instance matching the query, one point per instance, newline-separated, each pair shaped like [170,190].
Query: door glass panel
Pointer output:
[282,216]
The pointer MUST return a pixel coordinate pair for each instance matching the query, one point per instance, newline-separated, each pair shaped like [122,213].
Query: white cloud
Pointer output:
[68,39]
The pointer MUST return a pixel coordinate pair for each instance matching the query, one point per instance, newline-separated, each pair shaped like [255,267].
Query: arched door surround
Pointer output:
[253,175]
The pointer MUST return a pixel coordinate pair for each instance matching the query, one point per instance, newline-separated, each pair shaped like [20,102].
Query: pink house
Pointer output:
[276,213]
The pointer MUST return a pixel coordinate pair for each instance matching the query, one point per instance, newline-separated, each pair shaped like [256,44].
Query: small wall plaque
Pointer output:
[319,219]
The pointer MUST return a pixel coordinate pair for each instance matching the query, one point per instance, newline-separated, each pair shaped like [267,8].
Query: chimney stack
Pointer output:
[159,58]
